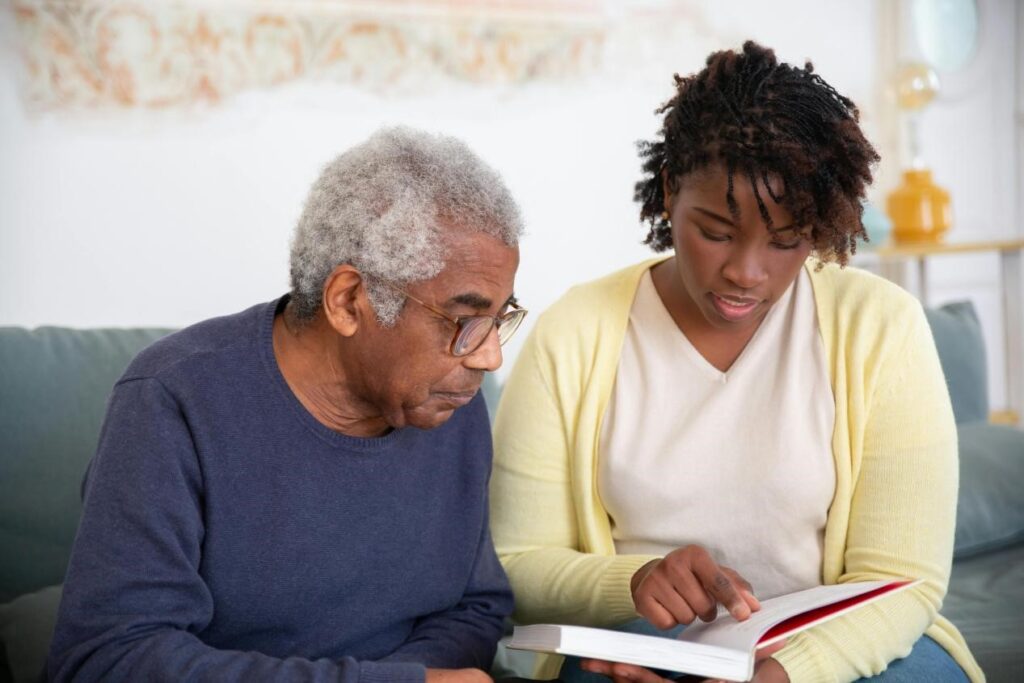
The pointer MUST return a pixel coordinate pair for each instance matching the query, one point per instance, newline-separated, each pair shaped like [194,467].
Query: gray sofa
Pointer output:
[986,589]
[53,388]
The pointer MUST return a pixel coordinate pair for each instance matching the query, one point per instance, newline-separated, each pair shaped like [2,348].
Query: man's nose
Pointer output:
[488,355]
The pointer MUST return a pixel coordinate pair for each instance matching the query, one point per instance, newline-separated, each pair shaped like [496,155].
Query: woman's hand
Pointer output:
[686,584]
[766,670]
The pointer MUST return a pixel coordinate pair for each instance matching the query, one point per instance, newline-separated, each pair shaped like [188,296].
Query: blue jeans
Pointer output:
[927,661]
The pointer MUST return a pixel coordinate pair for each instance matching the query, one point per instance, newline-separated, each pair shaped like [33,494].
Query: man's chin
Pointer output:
[428,418]
[437,409]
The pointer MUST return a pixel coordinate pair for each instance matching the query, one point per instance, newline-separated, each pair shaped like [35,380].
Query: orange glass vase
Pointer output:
[920,210]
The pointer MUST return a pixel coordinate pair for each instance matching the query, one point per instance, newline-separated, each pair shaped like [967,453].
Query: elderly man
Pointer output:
[298,491]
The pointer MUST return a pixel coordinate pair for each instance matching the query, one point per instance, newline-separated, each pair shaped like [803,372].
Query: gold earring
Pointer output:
[664,216]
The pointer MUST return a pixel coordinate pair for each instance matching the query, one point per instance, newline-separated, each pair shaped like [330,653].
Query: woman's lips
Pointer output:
[733,309]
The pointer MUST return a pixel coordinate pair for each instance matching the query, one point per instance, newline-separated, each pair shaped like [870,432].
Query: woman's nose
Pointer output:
[745,268]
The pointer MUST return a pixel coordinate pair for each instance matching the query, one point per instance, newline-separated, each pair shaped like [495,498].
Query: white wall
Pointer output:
[968,140]
[140,218]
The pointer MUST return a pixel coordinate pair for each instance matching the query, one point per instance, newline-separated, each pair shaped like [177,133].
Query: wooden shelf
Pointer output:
[891,259]
[1004,417]
[918,249]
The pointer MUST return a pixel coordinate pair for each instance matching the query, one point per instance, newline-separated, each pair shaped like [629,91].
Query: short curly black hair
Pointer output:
[762,117]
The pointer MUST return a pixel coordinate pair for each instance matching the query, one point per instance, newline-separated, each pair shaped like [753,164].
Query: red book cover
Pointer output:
[819,613]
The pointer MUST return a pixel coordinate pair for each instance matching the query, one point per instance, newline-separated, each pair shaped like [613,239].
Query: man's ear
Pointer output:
[344,296]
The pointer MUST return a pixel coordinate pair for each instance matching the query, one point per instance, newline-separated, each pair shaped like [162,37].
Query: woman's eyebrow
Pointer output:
[714,216]
[786,228]
[722,219]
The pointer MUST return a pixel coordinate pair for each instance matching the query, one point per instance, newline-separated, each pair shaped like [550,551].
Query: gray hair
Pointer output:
[378,207]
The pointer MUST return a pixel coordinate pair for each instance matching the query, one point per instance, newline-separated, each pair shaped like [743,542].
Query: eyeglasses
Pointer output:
[473,330]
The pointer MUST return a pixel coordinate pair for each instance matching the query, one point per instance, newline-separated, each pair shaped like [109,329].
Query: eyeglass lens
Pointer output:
[509,323]
[473,331]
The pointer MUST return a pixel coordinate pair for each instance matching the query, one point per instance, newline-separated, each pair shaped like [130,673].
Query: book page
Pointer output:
[657,652]
[725,631]
[723,648]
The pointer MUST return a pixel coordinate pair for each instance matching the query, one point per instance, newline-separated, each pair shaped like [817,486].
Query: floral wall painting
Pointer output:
[87,54]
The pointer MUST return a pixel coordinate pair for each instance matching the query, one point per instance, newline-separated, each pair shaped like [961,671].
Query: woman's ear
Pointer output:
[666,191]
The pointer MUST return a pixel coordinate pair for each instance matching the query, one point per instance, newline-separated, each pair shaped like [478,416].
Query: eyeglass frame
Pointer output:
[496,320]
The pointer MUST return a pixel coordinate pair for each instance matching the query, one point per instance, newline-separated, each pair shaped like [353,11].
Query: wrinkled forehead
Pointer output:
[479,270]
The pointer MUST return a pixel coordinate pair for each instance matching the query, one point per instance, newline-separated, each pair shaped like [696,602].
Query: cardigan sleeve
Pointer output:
[903,508]
[533,514]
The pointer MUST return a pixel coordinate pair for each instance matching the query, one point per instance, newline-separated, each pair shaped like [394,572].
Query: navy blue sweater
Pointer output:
[228,535]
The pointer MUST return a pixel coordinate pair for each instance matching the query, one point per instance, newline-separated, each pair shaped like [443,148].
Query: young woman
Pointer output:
[745,417]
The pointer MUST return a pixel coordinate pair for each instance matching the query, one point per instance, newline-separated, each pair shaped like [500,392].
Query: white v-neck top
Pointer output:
[739,462]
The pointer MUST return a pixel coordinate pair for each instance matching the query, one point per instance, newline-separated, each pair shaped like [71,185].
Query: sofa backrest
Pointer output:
[54,384]
[957,332]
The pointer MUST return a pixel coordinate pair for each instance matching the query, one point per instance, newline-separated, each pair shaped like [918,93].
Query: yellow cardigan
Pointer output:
[894,445]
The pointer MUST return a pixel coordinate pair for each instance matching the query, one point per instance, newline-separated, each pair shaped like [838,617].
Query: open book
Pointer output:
[723,648]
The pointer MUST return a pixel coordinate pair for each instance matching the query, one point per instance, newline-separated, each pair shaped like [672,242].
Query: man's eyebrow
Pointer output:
[477,301]
[471,299]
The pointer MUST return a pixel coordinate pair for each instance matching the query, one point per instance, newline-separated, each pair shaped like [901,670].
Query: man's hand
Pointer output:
[766,670]
[686,584]
[457,676]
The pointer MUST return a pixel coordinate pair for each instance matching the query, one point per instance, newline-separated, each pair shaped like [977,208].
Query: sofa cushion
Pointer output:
[986,605]
[26,628]
[961,349]
[54,383]
[990,508]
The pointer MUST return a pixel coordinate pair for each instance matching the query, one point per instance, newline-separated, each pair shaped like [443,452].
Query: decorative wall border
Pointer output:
[88,53]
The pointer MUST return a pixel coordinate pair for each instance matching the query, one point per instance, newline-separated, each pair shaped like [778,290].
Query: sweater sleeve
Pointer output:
[533,513]
[902,512]
[466,635]
[134,600]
